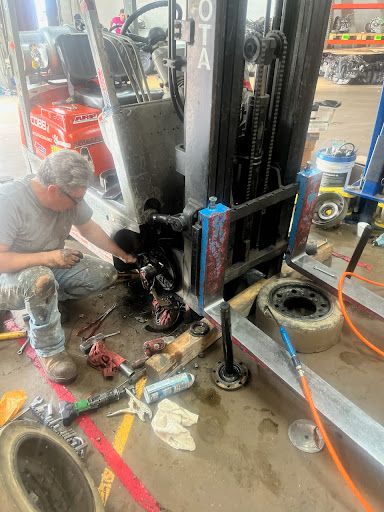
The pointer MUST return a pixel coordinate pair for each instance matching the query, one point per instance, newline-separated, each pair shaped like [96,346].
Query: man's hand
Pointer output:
[126,257]
[92,232]
[63,258]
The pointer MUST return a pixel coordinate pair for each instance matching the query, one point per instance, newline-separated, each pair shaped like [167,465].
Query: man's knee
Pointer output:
[38,282]
[104,275]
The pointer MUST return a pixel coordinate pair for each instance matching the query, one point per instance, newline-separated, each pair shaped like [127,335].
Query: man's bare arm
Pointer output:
[94,234]
[15,261]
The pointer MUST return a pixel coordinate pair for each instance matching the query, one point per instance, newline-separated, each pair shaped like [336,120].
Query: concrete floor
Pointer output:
[353,120]
[244,460]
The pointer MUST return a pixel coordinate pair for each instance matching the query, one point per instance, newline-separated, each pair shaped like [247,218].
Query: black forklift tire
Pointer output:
[40,472]
[314,324]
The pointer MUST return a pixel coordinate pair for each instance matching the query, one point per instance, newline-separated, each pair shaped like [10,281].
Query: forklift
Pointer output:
[200,177]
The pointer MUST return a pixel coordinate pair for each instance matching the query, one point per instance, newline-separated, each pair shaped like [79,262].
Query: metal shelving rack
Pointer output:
[377,39]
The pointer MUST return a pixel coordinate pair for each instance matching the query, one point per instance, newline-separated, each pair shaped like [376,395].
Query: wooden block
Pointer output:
[243,301]
[180,352]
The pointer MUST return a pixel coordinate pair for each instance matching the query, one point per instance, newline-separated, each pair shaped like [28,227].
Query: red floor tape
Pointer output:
[123,472]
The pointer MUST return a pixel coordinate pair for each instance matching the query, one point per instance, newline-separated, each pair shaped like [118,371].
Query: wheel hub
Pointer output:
[299,300]
[233,381]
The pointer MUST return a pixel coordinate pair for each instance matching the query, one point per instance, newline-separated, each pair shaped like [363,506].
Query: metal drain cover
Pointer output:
[305,436]
[299,300]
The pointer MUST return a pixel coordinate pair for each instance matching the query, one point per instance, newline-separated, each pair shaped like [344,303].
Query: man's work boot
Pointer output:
[59,368]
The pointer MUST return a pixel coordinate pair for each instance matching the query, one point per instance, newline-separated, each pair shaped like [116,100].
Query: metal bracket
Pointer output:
[185,30]
[178,63]
[296,257]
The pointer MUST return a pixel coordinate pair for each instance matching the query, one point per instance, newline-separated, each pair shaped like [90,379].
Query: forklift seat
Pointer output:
[77,61]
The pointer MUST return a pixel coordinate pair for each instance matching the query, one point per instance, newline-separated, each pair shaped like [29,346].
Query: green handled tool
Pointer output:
[71,410]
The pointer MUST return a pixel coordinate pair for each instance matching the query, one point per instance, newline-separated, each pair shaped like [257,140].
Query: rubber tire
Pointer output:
[13,494]
[308,335]
[334,223]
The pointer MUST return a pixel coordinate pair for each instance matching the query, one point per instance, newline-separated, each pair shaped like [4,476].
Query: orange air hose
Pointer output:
[329,445]
[347,317]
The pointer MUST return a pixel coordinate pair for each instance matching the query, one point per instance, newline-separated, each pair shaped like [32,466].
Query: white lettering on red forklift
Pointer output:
[39,123]
[205,13]
[84,118]
[61,143]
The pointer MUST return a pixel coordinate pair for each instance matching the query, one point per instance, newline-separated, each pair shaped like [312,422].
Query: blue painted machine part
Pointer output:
[214,241]
[377,128]
[309,184]
[369,186]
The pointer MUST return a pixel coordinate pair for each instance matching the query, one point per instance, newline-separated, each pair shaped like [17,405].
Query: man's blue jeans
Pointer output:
[38,290]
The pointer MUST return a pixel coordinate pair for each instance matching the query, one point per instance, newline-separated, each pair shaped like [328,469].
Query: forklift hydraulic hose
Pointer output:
[362,338]
[329,445]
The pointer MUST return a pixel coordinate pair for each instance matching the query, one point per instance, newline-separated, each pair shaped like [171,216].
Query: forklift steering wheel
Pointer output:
[149,7]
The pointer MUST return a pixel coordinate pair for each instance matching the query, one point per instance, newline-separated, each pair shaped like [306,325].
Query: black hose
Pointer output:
[149,7]
[172,79]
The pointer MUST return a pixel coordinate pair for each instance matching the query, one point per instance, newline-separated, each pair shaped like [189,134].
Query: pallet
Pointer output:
[337,36]
[372,36]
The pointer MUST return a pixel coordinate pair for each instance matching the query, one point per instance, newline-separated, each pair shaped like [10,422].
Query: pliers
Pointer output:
[135,406]
[93,327]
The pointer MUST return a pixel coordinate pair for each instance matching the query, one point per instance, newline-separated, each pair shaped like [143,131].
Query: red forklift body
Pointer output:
[71,126]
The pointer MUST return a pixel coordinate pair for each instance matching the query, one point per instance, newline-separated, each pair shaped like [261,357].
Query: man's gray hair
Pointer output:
[65,168]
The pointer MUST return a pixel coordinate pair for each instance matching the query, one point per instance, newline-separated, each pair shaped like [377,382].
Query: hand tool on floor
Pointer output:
[108,362]
[71,410]
[135,406]
[152,347]
[90,329]
[101,357]
[14,335]
[23,347]
[86,345]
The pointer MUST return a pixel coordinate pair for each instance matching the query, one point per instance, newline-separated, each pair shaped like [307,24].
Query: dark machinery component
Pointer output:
[349,69]
[199,328]
[342,24]
[230,374]
[176,222]
[79,23]
[330,210]
[158,270]
[376,25]
[297,301]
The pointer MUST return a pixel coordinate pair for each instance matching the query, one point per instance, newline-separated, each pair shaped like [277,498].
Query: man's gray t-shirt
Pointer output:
[27,226]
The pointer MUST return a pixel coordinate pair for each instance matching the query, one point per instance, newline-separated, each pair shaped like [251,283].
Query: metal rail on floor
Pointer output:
[355,424]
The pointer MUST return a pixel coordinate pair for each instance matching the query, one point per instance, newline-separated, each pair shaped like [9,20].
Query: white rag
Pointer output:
[169,422]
